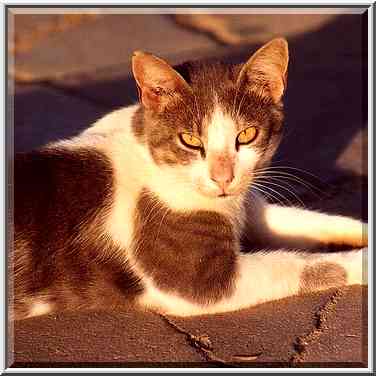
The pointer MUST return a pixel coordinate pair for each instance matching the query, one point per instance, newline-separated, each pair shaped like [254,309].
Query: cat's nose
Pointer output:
[222,177]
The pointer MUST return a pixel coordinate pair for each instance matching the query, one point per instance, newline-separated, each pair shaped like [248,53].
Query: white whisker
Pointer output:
[258,188]
[286,189]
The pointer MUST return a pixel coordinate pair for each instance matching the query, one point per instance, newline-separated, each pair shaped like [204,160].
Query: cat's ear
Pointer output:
[156,80]
[265,72]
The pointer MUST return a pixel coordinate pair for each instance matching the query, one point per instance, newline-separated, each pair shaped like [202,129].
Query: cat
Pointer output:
[148,206]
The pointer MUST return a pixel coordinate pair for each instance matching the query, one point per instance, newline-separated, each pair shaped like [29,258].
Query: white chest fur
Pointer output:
[135,170]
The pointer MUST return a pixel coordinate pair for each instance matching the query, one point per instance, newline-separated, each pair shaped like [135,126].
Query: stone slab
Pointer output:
[109,40]
[265,335]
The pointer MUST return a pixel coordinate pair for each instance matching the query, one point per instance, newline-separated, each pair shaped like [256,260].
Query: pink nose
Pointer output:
[222,174]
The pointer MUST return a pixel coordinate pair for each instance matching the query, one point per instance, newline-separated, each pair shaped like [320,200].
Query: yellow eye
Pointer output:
[190,141]
[247,136]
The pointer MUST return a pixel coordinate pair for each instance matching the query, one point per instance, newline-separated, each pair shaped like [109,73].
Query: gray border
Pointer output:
[9,153]
[4,197]
[371,167]
[189,5]
[8,115]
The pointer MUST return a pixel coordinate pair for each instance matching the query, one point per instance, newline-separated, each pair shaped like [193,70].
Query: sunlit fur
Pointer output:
[142,145]
[176,186]
[261,276]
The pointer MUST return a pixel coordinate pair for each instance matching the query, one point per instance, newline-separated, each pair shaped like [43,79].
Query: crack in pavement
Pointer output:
[202,343]
[301,343]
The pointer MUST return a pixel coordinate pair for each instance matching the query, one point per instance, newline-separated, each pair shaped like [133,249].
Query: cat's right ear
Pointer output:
[156,80]
[266,71]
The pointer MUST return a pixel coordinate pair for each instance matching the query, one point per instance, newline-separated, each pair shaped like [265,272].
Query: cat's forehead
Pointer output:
[198,73]
[217,100]
[212,84]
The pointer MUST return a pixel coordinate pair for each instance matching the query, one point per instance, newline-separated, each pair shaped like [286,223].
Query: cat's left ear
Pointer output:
[265,73]
[156,80]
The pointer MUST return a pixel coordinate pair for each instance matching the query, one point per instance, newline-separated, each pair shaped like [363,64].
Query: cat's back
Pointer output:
[60,186]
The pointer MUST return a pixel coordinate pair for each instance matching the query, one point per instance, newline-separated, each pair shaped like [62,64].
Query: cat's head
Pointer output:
[211,124]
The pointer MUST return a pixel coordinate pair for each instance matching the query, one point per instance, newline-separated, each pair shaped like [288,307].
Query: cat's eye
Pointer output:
[190,141]
[246,136]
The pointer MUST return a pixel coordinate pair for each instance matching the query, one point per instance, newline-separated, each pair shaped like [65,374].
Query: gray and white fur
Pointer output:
[130,213]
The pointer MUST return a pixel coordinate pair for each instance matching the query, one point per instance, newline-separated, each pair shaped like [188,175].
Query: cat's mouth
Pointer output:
[224,195]
[219,194]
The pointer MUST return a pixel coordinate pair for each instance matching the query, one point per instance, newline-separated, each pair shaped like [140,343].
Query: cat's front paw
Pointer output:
[349,232]
[356,265]
[358,235]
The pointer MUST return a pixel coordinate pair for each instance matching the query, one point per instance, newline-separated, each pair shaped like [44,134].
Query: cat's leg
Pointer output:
[267,276]
[295,227]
